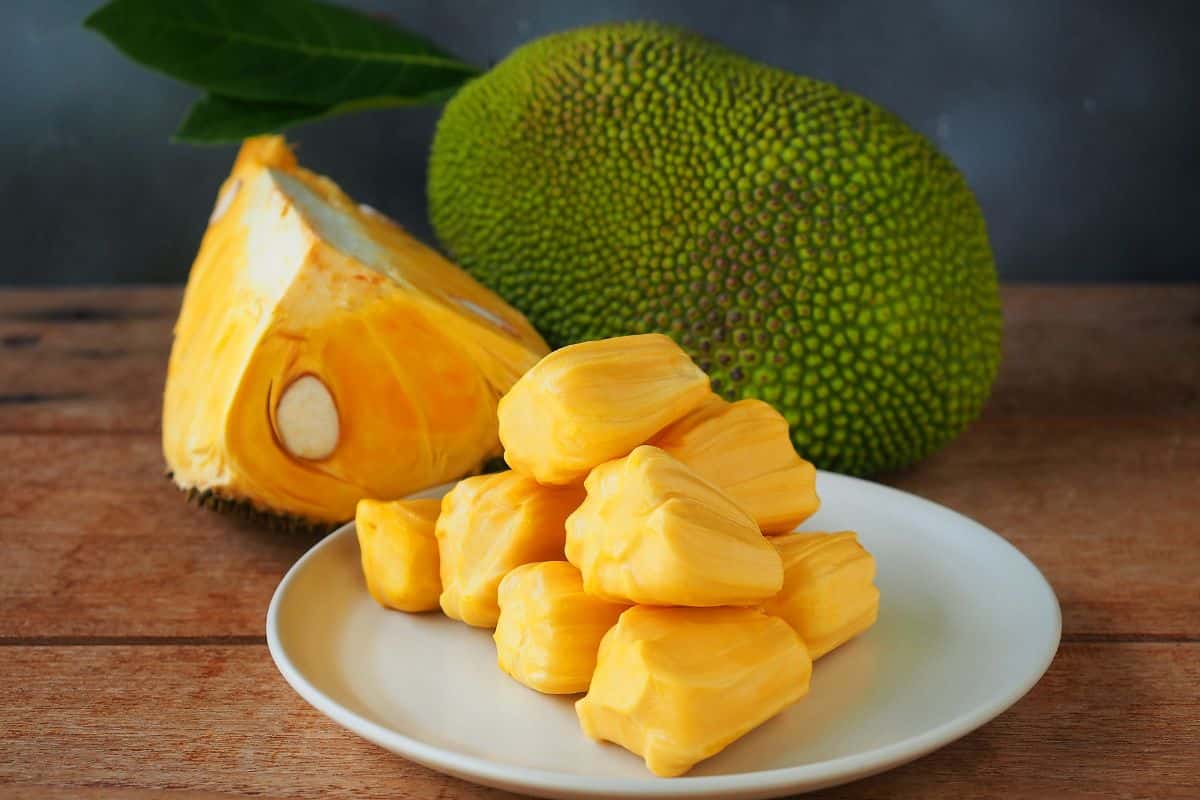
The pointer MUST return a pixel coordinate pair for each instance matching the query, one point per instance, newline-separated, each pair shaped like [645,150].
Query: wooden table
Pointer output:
[132,656]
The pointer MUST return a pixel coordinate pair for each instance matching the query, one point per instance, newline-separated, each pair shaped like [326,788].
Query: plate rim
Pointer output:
[807,777]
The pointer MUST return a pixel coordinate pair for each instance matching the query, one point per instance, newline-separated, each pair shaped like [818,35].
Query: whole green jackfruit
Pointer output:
[801,243]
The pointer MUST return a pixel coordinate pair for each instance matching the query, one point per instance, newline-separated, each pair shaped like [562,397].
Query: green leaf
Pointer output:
[290,52]
[214,119]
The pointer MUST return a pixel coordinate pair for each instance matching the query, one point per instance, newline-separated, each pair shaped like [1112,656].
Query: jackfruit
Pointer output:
[400,552]
[804,245]
[549,631]
[828,595]
[489,525]
[322,355]
[586,404]
[653,531]
[678,685]
[744,449]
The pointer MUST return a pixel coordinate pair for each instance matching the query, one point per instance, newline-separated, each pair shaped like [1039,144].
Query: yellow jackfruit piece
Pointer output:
[678,685]
[400,552]
[653,531]
[549,631]
[588,403]
[828,595]
[745,449]
[490,524]
[323,355]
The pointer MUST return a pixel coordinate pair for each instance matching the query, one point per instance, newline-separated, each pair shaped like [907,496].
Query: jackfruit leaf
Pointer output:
[291,52]
[216,119]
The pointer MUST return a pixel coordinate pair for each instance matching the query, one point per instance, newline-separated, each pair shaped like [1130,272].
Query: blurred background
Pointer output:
[1075,122]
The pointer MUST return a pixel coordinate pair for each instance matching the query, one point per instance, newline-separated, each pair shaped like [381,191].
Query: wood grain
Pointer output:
[132,662]
[97,542]
[1099,351]
[85,359]
[1113,720]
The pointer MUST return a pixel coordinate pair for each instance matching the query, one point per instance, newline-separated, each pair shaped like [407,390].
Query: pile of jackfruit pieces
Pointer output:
[639,550]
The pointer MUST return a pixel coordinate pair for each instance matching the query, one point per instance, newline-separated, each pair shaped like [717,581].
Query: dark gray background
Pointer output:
[1075,122]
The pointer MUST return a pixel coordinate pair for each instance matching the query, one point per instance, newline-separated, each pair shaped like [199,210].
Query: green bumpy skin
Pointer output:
[805,246]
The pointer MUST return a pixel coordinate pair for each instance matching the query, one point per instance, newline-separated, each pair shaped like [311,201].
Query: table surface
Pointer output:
[132,657]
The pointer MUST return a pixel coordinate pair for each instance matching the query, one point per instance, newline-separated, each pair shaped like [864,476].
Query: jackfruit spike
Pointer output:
[549,630]
[588,403]
[828,595]
[745,449]
[653,531]
[323,355]
[244,510]
[678,685]
[490,524]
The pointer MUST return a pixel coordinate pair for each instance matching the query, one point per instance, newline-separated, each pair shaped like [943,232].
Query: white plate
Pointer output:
[967,626]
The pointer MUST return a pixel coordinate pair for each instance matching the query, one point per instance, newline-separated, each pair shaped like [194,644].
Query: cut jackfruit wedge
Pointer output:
[653,531]
[588,403]
[828,595]
[678,685]
[323,355]
[745,449]
[549,631]
[489,525]
[400,552]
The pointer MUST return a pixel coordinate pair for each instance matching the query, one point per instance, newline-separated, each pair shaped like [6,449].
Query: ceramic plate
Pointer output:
[967,625]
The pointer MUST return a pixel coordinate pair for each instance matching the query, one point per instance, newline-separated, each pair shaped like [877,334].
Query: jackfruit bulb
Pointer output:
[744,449]
[549,629]
[489,525]
[653,531]
[323,355]
[804,245]
[828,594]
[588,403]
[677,685]
[399,552]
